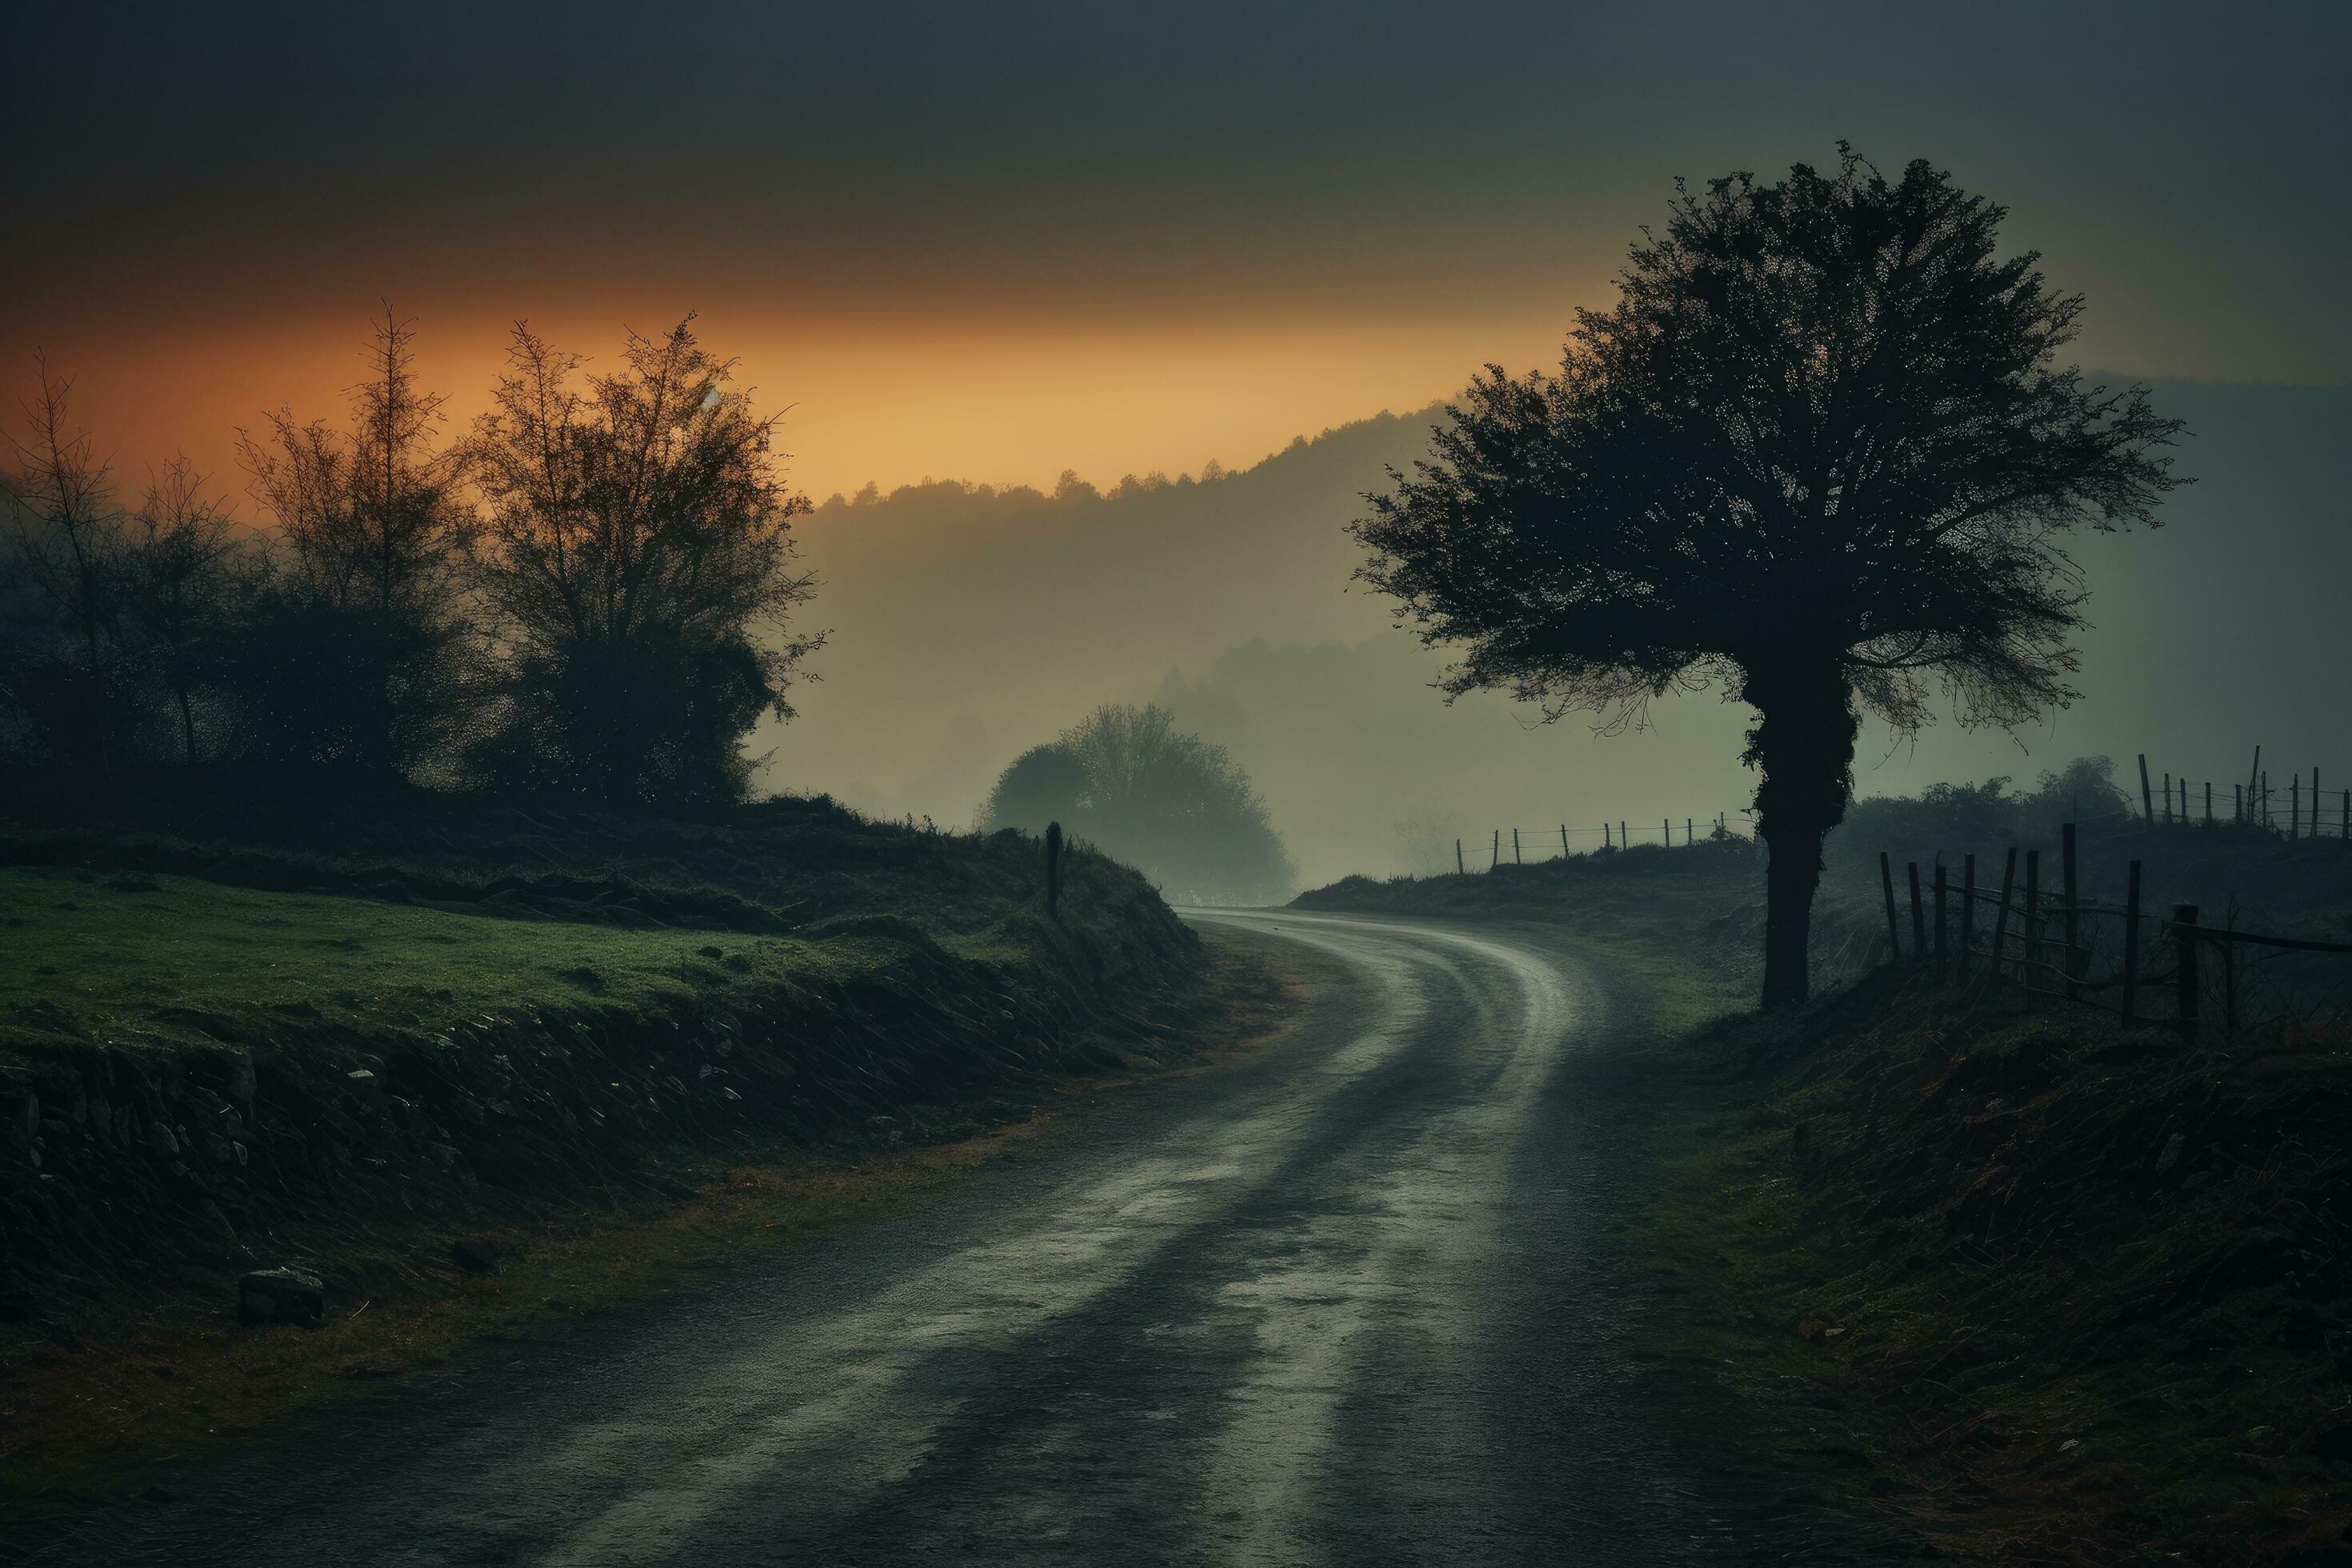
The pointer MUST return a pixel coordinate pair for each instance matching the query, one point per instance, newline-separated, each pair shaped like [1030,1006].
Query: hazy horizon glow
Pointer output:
[859,407]
[993,246]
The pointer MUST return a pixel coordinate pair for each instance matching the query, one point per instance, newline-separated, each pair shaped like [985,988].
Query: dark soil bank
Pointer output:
[254,1132]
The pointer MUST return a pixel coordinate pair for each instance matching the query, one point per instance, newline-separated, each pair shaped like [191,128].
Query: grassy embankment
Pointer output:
[164,962]
[414,1056]
[2006,1287]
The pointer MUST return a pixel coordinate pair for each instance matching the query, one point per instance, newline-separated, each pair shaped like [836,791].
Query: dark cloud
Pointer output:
[1126,160]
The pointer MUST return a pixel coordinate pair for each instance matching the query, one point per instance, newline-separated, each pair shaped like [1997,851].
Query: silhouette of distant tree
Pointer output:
[65,682]
[357,655]
[1821,452]
[1176,806]
[182,593]
[639,562]
[1045,785]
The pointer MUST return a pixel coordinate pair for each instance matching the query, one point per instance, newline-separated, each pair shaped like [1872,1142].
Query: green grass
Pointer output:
[131,960]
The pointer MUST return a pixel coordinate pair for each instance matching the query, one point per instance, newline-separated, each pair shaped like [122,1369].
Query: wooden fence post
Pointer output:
[1605,836]
[1689,837]
[2000,921]
[1563,840]
[2184,800]
[1052,870]
[2347,813]
[2168,800]
[2073,916]
[1967,911]
[2131,938]
[2230,987]
[2293,806]
[2209,803]
[2030,937]
[2184,937]
[1623,841]
[1943,880]
[2147,801]
[1515,849]
[1459,869]
[1494,855]
[1893,931]
[1918,920]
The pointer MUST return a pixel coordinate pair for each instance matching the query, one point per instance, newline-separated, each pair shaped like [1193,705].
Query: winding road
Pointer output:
[1357,1299]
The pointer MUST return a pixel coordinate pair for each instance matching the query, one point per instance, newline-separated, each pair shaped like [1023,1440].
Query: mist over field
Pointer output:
[1230,603]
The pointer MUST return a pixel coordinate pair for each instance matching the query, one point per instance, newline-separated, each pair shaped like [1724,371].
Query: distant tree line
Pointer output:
[588,593]
[1175,806]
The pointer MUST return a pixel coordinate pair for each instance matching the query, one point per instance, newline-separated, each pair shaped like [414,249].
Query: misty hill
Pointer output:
[969,623]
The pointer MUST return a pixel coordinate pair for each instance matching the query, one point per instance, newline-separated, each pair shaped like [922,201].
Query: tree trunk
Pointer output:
[1802,743]
[187,725]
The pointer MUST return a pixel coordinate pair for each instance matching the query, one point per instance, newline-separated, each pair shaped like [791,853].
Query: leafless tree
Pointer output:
[1178,808]
[179,590]
[65,554]
[371,538]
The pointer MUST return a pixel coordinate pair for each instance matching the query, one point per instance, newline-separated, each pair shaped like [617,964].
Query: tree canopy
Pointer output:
[1821,453]
[591,596]
[639,564]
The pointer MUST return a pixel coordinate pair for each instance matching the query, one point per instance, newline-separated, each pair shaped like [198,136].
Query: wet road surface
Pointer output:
[1357,1299]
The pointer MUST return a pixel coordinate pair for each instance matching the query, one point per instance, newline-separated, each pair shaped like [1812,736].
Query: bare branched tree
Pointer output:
[65,559]
[371,538]
[1425,830]
[178,566]
[640,565]
[1178,808]
[1821,453]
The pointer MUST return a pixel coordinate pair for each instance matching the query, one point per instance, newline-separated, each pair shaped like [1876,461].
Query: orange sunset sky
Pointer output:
[995,242]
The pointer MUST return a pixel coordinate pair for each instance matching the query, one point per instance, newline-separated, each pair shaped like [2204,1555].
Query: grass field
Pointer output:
[132,959]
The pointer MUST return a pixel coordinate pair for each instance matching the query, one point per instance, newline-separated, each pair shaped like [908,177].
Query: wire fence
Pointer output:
[2057,946]
[1534,846]
[2299,809]
[2296,809]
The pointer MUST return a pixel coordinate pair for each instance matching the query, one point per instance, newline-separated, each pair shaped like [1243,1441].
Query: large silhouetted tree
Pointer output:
[640,565]
[1820,451]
